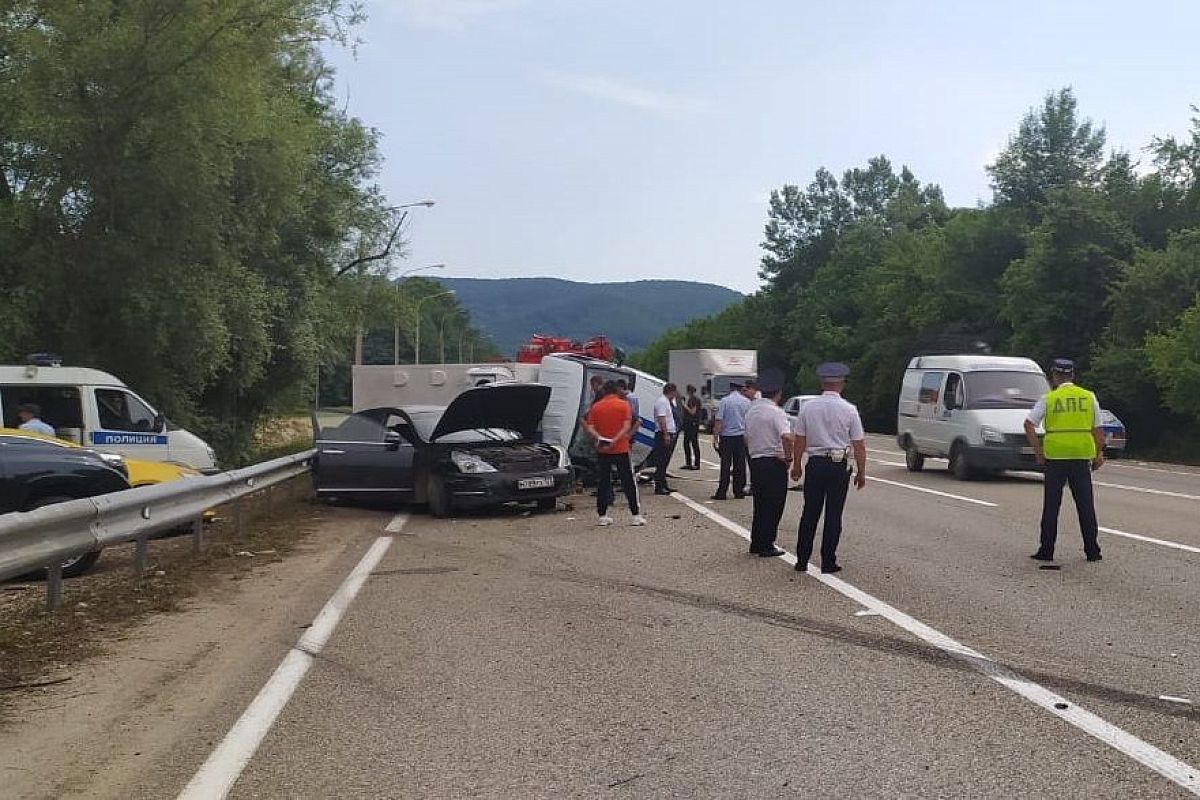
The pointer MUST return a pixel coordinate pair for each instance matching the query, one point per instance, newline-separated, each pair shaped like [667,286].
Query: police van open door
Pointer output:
[125,424]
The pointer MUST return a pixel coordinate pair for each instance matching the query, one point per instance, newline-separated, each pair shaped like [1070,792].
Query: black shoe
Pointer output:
[1095,557]
[717,497]
[831,569]
[801,566]
[1042,556]
[663,490]
[774,552]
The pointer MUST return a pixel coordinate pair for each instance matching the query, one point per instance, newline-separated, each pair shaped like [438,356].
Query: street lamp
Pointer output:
[425,299]
[396,314]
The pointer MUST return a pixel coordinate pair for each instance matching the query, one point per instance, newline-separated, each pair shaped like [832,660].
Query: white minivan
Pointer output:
[95,409]
[969,409]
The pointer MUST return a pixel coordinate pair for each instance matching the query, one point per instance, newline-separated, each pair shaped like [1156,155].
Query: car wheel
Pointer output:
[439,498]
[959,467]
[80,564]
[913,459]
[547,504]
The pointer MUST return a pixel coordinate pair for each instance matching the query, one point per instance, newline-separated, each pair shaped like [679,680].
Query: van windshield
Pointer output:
[1004,389]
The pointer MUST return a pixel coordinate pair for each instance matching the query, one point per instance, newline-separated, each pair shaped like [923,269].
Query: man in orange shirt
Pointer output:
[610,425]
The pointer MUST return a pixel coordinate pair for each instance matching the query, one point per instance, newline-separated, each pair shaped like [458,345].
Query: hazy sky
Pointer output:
[626,139]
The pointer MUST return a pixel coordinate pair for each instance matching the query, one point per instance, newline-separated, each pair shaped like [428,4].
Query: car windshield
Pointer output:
[1004,389]
[425,422]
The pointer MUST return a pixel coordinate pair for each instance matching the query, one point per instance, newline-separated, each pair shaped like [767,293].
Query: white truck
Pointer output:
[711,371]
[404,385]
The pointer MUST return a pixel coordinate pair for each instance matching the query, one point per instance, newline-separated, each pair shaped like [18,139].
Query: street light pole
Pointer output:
[358,338]
[420,302]
[396,313]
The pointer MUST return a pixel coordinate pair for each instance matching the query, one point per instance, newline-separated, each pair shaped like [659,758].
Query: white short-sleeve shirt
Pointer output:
[664,408]
[829,424]
[766,425]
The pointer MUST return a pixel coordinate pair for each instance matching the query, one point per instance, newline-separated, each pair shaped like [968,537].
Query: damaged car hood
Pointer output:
[514,406]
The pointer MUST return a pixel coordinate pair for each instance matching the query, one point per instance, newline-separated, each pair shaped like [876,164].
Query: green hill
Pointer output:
[632,314]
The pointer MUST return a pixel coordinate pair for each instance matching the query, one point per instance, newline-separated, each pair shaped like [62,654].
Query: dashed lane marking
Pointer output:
[1162,762]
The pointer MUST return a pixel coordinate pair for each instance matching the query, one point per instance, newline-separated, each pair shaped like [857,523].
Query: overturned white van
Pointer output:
[95,409]
[970,410]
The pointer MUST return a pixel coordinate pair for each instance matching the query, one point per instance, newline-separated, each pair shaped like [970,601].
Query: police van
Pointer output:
[97,410]
[969,409]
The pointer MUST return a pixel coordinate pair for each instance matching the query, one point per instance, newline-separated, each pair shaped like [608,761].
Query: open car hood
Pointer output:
[514,406]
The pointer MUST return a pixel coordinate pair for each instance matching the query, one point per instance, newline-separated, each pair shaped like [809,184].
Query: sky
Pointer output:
[631,139]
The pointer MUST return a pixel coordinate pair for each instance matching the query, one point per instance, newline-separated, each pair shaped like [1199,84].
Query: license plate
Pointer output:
[1026,451]
[535,483]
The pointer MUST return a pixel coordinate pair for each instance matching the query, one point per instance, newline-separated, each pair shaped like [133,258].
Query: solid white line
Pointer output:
[1145,753]
[710,464]
[1170,698]
[933,491]
[397,523]
[1151,540]
[217,775]
[1113,464]
[1161,492]
[888,463]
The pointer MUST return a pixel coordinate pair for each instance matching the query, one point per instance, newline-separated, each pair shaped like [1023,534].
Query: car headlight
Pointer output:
[991,435]
[469,464]
[115,461]
[564,460]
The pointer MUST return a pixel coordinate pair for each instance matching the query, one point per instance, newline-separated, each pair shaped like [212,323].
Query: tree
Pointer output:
[1051,150]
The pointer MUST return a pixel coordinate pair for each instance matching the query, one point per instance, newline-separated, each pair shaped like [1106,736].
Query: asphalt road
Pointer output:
[542,656]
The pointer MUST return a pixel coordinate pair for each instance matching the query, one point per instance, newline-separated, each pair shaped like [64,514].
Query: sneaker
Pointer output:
[605,521]
[637,521]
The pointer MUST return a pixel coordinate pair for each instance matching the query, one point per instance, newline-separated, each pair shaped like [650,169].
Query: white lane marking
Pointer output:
[1143,752]
[1160,492]
[217,775]
[710,464]
[866,612]
[1150,539]
[1111,463]
[887,452]
[933,491]
[888,463]
[397,523]
[1170,698]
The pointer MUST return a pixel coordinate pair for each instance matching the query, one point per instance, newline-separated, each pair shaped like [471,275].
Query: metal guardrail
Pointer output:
[46,537]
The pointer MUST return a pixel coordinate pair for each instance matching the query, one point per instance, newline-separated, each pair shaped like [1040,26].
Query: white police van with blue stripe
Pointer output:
[95,409]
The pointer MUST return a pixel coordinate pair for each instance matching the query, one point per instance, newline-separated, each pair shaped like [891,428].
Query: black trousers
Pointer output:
[1077,473]
[664,448]
[825,486]
[770,479]
[605,464]
[691,445]
[733,465]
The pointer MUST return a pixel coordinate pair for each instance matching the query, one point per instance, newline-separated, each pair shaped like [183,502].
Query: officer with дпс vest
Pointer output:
[1072,448]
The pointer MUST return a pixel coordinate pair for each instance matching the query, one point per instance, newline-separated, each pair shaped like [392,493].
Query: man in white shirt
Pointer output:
[828,428]
[664,437]
[30,416]
[769,445]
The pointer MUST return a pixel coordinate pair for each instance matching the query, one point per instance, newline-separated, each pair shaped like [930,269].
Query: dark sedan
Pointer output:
[36,473]
[479,451]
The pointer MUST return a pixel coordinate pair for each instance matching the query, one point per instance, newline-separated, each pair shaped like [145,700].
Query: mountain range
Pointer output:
[631,314]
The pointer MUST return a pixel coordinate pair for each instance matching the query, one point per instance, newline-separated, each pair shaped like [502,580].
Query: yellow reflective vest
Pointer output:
[1070,417]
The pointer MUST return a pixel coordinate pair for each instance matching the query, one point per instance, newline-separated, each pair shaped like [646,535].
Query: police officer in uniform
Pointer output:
[828,429]
[1073,447]
[769,445]
[729,438]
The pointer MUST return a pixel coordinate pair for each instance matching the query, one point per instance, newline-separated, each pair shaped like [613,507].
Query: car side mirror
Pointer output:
[391,440]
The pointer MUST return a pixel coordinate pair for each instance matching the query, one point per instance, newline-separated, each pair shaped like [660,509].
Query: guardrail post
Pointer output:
[140,554]
[197,535]
[53,587]
[237,516]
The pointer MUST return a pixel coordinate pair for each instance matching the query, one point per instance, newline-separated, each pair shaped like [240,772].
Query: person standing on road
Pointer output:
[634,405]
[690,425]
[608,423]
[664,437]
[828,429]
[30,415]
[729,437]
[769,445]
[1072,449]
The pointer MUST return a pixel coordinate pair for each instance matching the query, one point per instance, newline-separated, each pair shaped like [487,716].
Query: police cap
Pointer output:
[832,369]
[1063,365]
[770,381]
